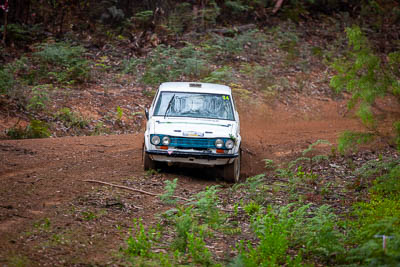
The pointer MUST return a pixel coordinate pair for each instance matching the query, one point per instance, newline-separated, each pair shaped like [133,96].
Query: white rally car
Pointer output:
[193,123]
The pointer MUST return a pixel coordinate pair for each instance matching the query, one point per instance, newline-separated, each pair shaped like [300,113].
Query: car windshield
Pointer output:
[194,105]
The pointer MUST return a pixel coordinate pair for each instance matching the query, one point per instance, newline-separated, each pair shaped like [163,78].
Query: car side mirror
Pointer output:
[146,112]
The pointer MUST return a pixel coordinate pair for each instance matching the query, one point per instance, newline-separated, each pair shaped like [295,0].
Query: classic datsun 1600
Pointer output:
[193,123]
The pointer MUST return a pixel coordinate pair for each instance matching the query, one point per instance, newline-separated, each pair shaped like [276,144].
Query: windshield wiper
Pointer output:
[169,105]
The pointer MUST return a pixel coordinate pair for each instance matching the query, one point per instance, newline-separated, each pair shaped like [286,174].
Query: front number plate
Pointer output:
[193,134]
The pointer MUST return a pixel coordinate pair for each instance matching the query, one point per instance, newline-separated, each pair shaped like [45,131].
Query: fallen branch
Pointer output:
[238,29]
[141,191]
[133,189]
[222,31]
[278,4]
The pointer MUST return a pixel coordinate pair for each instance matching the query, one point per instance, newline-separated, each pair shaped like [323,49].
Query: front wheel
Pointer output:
[148,163]
[232,171]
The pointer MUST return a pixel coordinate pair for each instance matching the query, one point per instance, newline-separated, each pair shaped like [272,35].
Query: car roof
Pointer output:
[210,88]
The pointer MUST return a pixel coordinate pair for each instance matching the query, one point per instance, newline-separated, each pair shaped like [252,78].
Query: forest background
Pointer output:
[89,68]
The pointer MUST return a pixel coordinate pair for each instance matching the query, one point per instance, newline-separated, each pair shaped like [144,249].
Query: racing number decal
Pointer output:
[225,97]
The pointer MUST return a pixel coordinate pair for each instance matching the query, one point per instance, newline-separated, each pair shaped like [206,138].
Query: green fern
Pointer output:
[348,141]
[221,75]
[361,73]
[35,129]
[170,187]
[63,62]
[311,146]
[6,80]
[396,126]
[40,97]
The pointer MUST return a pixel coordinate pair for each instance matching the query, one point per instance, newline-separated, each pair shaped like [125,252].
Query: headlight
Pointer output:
[166,140]
[219,143]
[229,144]
[155,140]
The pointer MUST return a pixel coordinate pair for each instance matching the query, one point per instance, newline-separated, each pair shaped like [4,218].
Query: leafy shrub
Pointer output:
[310,148]
[273,235]
[168,64]
[35,129]
[396,126]
[139,244]
[237,7]
[198,250]
[160,66]
[131,65]
[321,236]
[263,77]
[260,76]
[206,204]
[374,168]
[348,141]
[184,224]
[16,132]
[180,18]
[380,216]
[65,63]
[22,32]
[291,48]
[39,98]
[222,75]
[99,129]
[71,119]
[273,245]
[23,70]
[363,74]
[119,113]
[295,10]
[254,187]
[377,217]
[191,61]
[6,80]
[394,72]
[208,16]
[312,233]
[225,49]
[372,253]
[144,16]
[252,208]
[170,187]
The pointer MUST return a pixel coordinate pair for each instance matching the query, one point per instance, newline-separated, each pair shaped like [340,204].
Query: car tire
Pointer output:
[232,171]
[148,163]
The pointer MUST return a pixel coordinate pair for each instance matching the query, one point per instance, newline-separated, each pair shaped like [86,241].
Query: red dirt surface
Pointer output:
[49,216]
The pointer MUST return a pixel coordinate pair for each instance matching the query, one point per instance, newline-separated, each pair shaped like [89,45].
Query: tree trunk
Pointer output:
[27,10]
[5,28]
[61,24]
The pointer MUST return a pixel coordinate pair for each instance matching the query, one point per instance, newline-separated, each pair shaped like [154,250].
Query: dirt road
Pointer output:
[50,216]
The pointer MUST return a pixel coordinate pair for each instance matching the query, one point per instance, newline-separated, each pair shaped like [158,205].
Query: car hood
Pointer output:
[192,127]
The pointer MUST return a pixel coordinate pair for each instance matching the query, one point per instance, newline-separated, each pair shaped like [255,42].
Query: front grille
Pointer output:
[191,142]
[196,143]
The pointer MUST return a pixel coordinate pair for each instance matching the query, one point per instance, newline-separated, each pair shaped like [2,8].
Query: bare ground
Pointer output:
[50,216]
